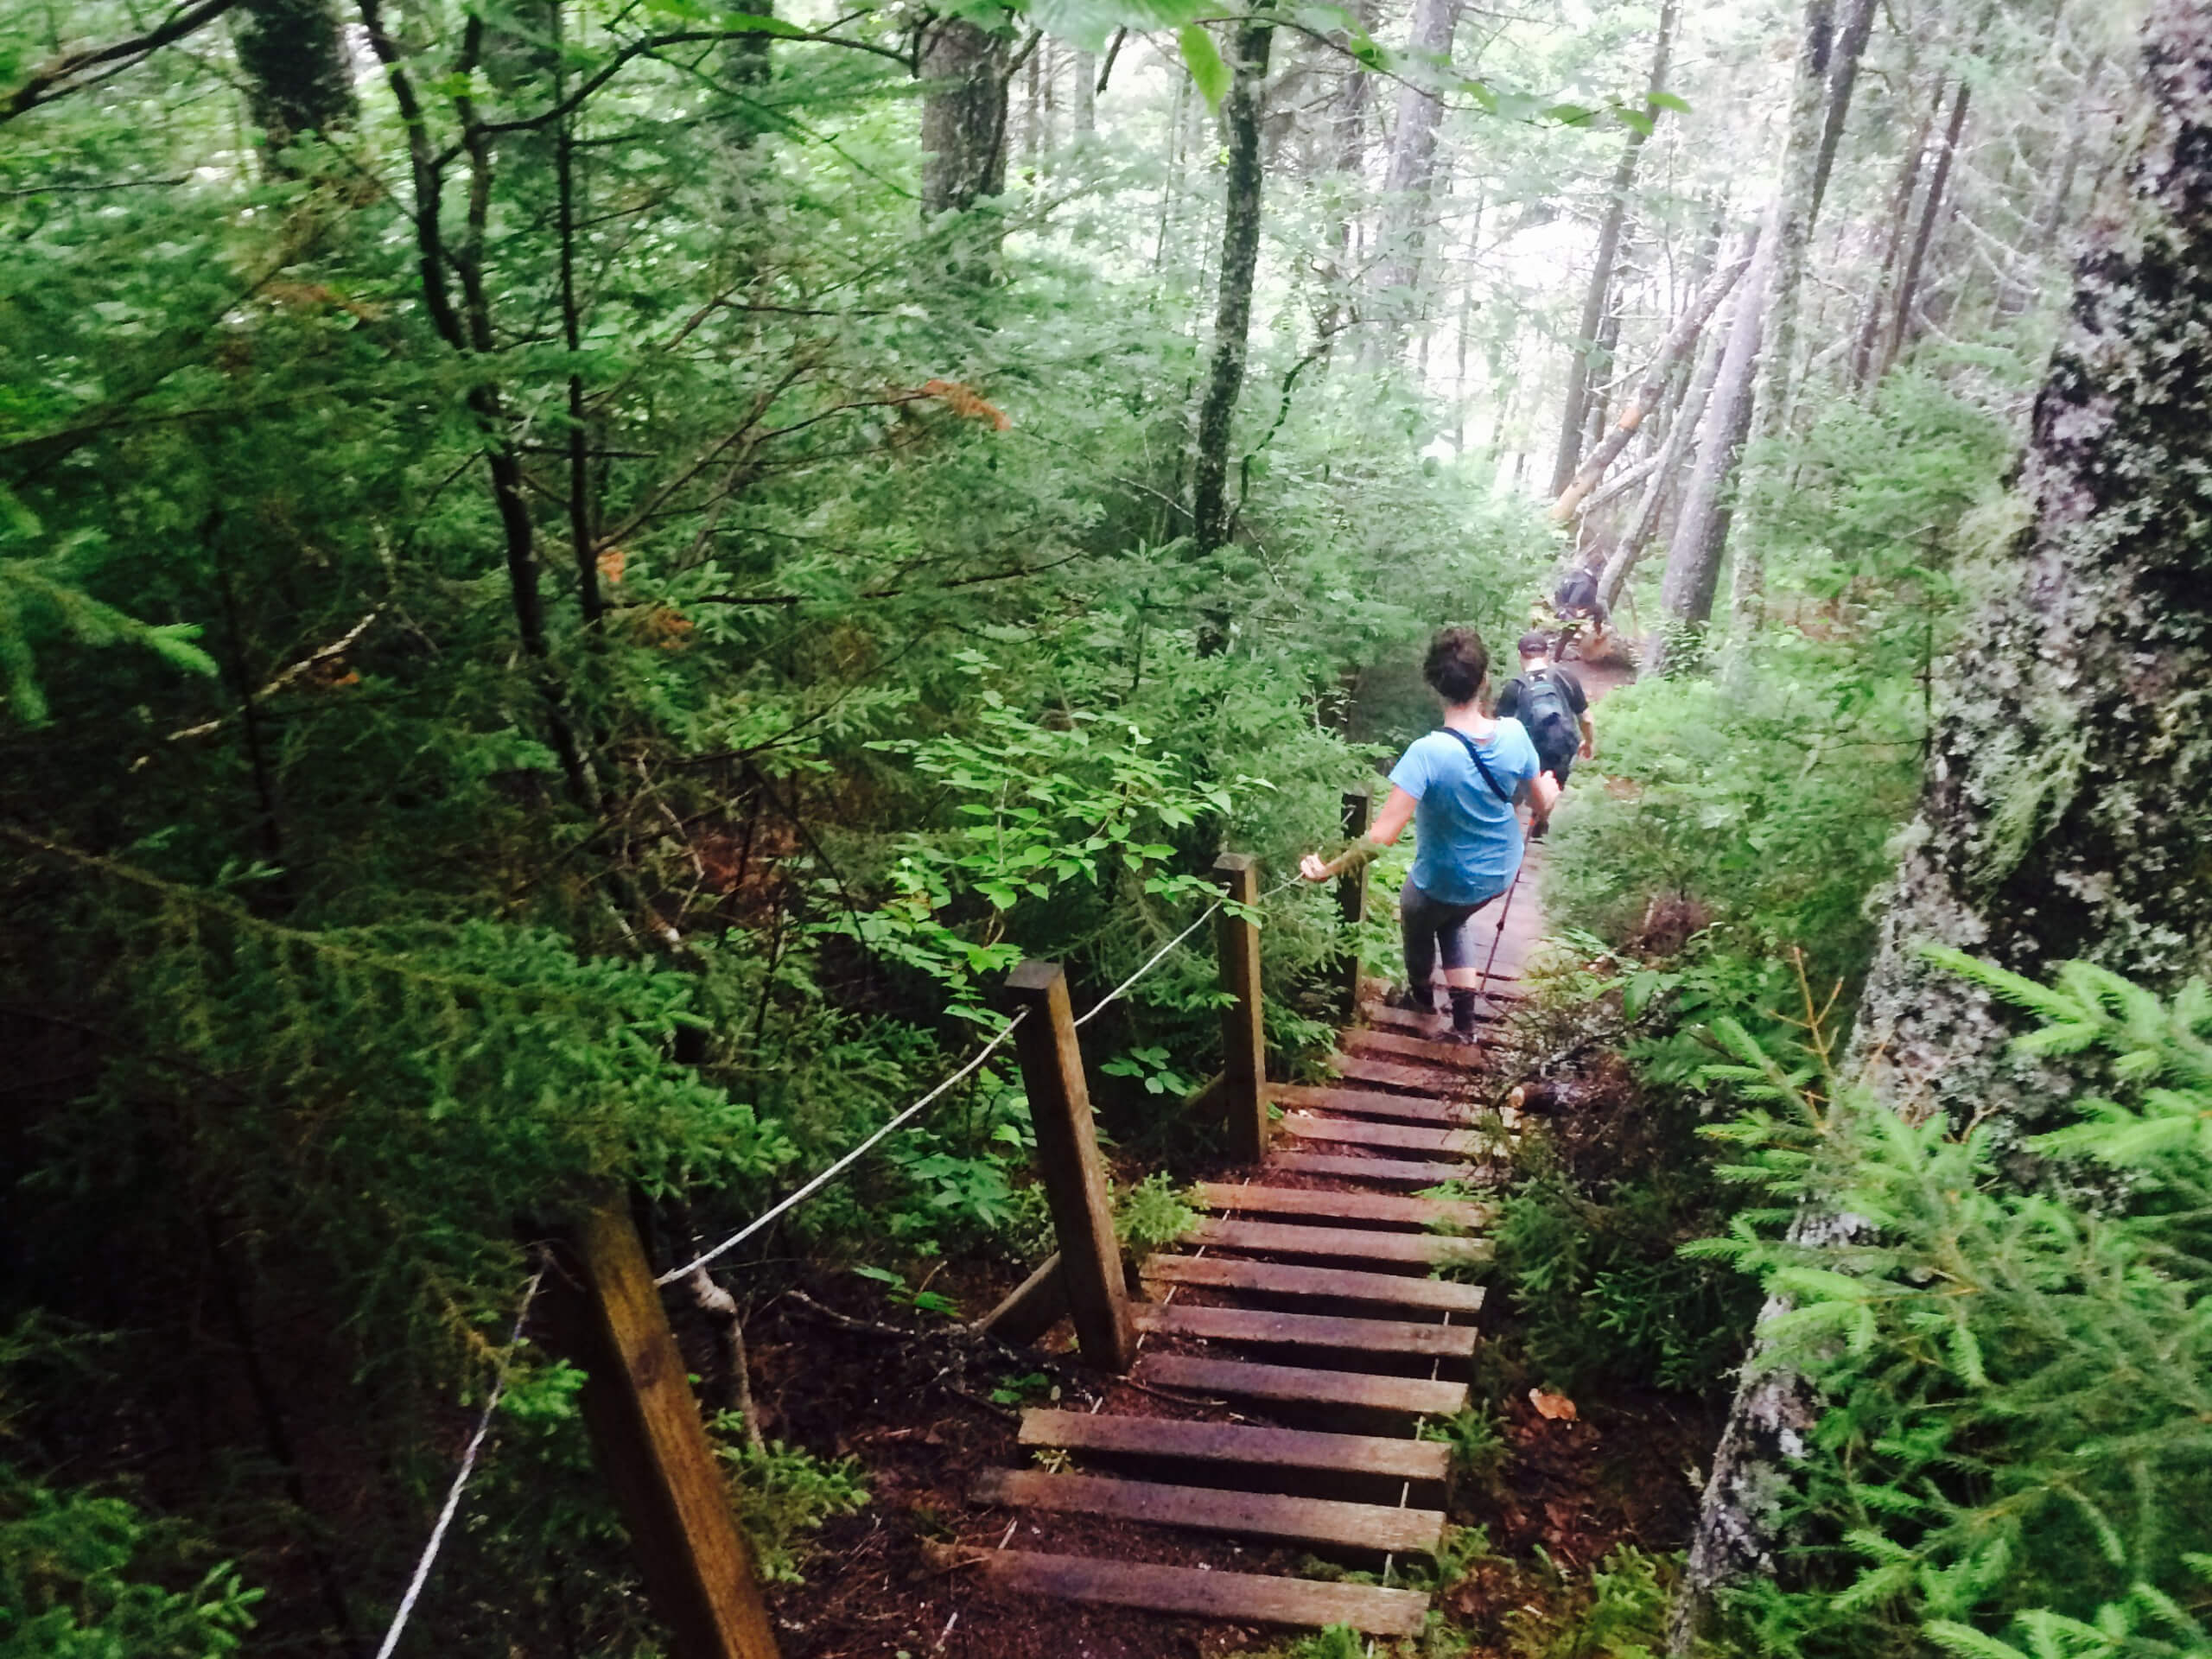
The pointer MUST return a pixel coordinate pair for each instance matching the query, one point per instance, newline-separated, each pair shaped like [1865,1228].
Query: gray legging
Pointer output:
[1430,928]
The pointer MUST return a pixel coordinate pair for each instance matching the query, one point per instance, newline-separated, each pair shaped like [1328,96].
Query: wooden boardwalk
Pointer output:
[1318,1312]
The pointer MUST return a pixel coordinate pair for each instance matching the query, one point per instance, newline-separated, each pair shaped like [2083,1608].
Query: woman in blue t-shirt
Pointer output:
[1459,787]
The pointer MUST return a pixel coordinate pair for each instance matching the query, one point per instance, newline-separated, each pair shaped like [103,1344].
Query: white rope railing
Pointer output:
[786,1205]
[461,1477]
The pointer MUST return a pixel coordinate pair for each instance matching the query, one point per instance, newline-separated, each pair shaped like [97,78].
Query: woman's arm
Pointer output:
[1389,823]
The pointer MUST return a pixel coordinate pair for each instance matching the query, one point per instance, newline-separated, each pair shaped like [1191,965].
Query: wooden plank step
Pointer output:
[1386,1207]
[1340,1284]
[1400,1046]
[1369,1102]
[1406,1137]
[1397,1074]
[1301,1385]
[1379,1015]
[1396,1171]
[1243,1443]
[1209,1509]
[1305,1331]
[1337,1243]
[1231,1598]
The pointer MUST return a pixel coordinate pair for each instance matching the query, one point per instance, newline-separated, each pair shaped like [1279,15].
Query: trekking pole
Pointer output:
[1499,937]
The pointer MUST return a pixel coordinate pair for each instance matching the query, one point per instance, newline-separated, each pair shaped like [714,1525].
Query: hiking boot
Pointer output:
[1458,1038]
[1409,1000]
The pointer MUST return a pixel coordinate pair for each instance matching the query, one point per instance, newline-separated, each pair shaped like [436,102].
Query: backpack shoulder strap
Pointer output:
[1481,764]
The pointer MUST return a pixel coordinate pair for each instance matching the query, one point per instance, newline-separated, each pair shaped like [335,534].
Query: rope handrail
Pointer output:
[461,1477]
[785,1205]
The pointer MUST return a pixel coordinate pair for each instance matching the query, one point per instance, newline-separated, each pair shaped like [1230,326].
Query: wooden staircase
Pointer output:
[1300,1332]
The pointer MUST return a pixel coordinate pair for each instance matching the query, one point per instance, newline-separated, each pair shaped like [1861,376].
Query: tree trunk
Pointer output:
[964,77]
[1679,341]
[1086,93]
[2065,814]
[1240,256]
[1897,218]
[1930,211]
[1645,523]
[1794,209]
[1843,80]
[1594,297]
[298,80]
[1406,182]
[1349,125]
[1701,533]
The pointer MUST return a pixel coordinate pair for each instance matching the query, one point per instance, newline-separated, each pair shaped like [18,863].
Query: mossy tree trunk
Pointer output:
[1232,322]
[2067,811]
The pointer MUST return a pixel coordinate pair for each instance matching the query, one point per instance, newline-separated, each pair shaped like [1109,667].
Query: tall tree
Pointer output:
[1895,221]
[1692,574]
[298,80]
[1240,258]
[1597,292]
[1410,174]
[1931,213]
[2065,814]
[964,74]
[1820,95]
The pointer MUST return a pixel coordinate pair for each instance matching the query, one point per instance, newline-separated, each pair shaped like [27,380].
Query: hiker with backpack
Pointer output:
[1551,708]
[1460,786]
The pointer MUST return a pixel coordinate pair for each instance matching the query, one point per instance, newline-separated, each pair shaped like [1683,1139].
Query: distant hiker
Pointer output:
[1459,787]
[1575,601]
[1551,708]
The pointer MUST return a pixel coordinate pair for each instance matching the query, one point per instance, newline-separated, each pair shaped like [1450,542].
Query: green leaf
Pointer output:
[1667,101]
[1208,73]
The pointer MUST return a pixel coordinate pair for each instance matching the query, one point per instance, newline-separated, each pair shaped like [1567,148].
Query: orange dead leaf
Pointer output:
[1556,1407]
[613,562]
[666,628]
[966,402]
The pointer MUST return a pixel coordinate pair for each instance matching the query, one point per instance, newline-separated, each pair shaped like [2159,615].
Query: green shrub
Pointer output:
[2010,1344]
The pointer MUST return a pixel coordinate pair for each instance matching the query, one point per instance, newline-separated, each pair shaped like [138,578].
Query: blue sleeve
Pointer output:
[1412,773]
[1526,763]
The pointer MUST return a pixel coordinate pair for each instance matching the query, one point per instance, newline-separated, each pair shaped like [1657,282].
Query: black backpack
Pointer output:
[1548,716]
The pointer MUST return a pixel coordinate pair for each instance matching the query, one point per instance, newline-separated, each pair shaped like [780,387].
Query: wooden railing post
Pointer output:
[606,1319]
[1067,1160]
[1243,1036]
[1351,892]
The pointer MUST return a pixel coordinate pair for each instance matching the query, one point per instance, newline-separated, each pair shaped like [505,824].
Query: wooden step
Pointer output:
[1337,1243]
[1339,1284]
[1397,1074]
[1304,1329]
[1230,1598]
[1396,1171]
[1427,1051]
[1369,1102]
[1251,1444]
[1379,1015]
[1384,1207]
[1405,1137]
[1208,1509]
[1243,1379]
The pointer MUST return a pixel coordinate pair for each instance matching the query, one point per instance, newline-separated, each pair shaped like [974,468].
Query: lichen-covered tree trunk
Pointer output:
[1232,320]
[964,74]
[1407,179]
[298,80]
[2067,811]
[1599,289]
